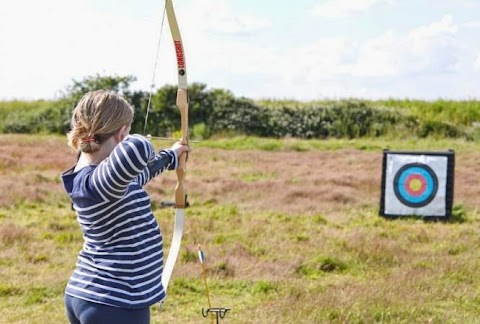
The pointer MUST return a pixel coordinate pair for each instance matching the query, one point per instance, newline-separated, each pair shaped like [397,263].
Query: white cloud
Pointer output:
[471,24]
[379,56]
[426,48]
[41,55]
[336,67]
[42,51]
[435,45]
[342,8]
[83,40]
[221,47]
[216,16]
[327,56]
[436,30]
[476,65]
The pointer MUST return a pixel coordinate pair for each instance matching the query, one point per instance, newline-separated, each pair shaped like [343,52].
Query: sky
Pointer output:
[260,49]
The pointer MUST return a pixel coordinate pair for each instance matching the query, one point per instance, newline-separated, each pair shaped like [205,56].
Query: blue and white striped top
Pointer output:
[121,262]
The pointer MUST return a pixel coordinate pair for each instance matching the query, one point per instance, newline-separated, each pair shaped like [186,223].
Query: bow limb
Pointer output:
[182,103]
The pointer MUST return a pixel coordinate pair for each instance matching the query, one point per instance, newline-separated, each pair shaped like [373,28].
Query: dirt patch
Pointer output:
[313,182]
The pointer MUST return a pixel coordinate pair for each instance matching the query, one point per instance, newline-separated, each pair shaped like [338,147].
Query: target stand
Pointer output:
[417,184]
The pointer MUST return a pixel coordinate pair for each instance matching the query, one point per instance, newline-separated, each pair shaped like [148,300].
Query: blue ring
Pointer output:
[431,182]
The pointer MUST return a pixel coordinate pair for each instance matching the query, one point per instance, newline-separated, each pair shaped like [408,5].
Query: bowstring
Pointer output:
[152,85]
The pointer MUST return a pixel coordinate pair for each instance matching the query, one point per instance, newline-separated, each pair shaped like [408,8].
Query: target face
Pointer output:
[415,185]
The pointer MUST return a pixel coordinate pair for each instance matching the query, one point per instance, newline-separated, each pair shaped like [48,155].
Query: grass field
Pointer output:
[290,229]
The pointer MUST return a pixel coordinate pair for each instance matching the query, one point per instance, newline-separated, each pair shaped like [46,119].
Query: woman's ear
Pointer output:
[120,135]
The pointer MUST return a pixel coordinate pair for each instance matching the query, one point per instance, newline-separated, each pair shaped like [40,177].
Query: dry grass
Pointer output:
[290,237]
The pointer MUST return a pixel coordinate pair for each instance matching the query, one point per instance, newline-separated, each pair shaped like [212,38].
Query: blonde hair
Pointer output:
[97,117]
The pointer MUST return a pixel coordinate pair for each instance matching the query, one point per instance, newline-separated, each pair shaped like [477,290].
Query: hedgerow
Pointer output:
[218,111]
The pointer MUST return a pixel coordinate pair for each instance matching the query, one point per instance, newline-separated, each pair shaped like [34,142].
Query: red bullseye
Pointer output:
[415,184]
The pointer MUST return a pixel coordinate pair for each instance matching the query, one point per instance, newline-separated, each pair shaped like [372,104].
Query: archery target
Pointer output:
[417,184]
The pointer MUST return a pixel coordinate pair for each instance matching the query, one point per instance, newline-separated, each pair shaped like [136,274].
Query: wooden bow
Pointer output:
[182,103]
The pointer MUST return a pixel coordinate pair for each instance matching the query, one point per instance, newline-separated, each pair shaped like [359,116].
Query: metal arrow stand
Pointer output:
[217,312]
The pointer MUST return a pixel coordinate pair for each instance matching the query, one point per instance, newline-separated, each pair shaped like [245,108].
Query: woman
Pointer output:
[119,269]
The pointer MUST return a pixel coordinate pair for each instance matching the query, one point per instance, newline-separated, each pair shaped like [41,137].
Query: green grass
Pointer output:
[363,269]
[366,144]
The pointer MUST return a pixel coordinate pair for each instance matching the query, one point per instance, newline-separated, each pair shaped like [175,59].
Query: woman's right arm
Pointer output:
[164,160]
[127,161]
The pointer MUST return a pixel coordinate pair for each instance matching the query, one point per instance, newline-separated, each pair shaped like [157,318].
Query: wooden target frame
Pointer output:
[417,184]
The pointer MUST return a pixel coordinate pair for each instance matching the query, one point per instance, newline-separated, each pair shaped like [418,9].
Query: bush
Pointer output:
[349,119]
[218,111]
[441,130]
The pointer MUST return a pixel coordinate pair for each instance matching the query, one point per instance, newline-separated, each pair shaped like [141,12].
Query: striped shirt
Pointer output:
[121,261]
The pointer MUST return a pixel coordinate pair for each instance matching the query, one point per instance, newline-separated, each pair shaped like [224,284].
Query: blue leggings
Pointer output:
[80,311]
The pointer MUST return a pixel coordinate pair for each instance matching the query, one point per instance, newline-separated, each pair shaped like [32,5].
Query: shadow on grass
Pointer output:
[458,216]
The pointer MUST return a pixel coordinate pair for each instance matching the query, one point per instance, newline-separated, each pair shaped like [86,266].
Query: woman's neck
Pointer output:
[95,158]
